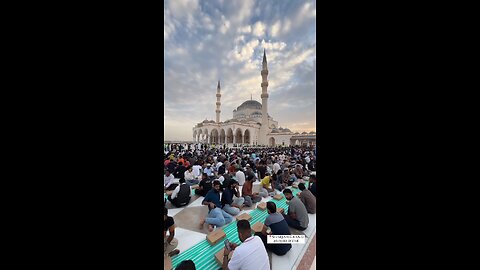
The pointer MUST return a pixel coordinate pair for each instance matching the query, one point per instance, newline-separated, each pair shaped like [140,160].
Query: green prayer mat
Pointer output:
[203,254]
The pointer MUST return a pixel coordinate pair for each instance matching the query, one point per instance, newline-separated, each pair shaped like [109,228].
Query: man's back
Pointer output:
[297,207]
[250,255]
[240,177]
[196,170]
[309,200]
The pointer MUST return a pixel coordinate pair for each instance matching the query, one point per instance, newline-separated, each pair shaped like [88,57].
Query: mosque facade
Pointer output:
[251,124]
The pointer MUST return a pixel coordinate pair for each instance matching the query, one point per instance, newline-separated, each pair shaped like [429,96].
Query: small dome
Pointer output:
[304,132]
[312,132]
[274,131]
[205,121]
[211,121]
[296,133]
[287,130]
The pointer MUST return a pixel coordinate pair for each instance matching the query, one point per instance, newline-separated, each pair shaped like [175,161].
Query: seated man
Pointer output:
[181,194]
[297,216]
[248,194]
[298,171]
[179,170]
[230,205]
[307,199]
[209,171]
[278,226]
[169,243]
[266,188]
[221,178]
[186,265]
[251,254]
[277,180]
[216,216]
[168,181]
[190,177]
[204,186]
[312,185]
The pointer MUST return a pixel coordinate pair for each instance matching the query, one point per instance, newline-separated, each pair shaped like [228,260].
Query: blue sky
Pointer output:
[210,40]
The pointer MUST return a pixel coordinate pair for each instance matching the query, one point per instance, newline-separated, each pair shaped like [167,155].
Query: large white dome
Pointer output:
[250,104]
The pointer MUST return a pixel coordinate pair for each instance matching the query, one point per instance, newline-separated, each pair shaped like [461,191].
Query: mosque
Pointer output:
[251,124]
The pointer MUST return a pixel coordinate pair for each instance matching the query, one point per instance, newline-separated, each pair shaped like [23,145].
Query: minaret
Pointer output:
[217,111]
[264,128]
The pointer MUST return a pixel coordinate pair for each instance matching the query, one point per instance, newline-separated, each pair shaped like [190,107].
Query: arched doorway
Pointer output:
[229,135]
[238,136]
[205,136]
[297,142]
[214,136]
[222,136]
[247,137]
[199,136]
[194,136]
[271,141]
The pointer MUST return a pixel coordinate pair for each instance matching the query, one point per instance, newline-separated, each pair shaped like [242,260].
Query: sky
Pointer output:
[210,40]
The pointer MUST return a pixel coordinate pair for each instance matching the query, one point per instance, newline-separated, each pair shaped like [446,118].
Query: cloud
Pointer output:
[210,40]
[258,29]
[275,29]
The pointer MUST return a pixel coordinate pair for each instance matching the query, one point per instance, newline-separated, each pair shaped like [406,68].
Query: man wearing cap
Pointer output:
[208,170]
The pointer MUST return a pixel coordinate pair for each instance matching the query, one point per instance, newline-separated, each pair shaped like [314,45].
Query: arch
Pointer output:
[199,135]
[247,137]
[297,142]
[205,136]
[271,141]
[194,135]
[229,135]
[238,136]
[214,136]
[222,136]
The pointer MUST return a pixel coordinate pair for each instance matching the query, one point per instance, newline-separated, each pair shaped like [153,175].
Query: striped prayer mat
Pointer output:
[203,254]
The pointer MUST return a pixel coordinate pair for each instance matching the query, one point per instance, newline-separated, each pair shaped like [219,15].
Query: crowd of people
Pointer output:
[219,173]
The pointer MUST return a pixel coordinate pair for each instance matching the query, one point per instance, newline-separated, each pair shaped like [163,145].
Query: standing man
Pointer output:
[250,255]
[297,216]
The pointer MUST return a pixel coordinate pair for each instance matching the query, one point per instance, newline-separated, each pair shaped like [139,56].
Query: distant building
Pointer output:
[251,124]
